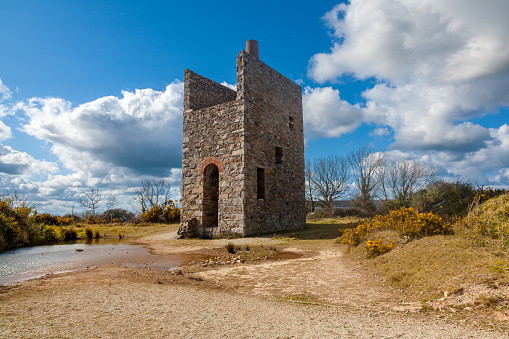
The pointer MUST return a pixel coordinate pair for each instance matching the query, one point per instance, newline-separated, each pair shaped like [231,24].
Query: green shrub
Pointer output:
[451,199]
[489,219]
[70,234]
[52,233]
[15,226]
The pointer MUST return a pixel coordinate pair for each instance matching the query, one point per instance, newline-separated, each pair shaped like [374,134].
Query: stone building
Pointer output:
[242,153]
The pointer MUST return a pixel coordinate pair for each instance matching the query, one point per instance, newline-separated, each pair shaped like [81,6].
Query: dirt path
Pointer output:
[114,302]
[320,295]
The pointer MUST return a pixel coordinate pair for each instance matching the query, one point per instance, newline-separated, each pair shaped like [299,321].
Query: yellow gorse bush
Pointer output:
[8,227]
[48,219]
[405,221]
[376,248]
[166,212]
[92,220]
[409,223]
[52,233]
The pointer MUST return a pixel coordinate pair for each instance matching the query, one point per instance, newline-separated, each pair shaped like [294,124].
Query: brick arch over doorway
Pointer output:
[211,160]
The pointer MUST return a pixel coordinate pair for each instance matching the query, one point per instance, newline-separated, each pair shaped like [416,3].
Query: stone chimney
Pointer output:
[252,48]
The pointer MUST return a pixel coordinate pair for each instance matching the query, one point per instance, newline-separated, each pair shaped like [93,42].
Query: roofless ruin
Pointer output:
[242,153]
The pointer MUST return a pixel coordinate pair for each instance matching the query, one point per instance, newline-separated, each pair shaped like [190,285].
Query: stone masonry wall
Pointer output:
[238,132]
[270,101]
[200,92]
[213,133]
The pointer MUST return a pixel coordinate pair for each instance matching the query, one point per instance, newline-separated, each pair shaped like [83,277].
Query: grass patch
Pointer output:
[324,228]
[231,248]
[70,234]
[430,266]
[89,233]
[129,230]
[303,298]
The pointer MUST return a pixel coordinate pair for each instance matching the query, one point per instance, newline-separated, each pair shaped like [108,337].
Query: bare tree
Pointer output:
[152,193]
[18,200]
[111,202]
[400,179]
[329,176]
[366,163]
[310,194]
[91,199]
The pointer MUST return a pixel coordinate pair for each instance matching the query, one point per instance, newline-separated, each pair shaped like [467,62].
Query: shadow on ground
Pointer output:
[317,231]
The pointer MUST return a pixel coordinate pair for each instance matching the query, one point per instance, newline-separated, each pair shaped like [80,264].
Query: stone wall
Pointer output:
[238,132]
[200,92]
[213,133]
[270,101]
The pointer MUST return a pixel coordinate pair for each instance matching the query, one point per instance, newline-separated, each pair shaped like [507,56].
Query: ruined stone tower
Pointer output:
[242,153]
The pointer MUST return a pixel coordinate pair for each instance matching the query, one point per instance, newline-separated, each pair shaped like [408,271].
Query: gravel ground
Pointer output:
[222,301]
[113,302]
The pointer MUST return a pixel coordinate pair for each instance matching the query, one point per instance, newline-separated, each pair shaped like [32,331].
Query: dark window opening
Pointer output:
[291,123]
[279,155]
[260,183]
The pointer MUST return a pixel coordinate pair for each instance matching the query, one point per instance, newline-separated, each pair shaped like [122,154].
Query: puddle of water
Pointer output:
[285,255]
[33,262]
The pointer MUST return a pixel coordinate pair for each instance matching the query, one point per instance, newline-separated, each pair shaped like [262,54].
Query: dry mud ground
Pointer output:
[321,294]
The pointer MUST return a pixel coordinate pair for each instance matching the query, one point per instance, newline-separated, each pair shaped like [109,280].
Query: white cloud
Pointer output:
[380,132]
[5,131]
[5,92]
[438,65]
[230,86]
[20,163]
[402,40]
[325,114]
[111,137]
[110,143]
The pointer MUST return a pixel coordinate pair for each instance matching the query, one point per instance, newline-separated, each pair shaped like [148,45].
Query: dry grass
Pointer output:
[328,228]
[360,251]
[128,230]
[428,267]
[488,223]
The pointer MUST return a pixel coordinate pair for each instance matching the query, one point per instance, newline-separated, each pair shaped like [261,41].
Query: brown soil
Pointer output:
[280,287]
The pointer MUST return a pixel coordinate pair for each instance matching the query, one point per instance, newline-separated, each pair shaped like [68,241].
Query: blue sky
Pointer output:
[91,91]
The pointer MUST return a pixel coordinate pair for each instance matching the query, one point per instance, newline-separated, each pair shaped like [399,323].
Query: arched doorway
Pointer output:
[210,196]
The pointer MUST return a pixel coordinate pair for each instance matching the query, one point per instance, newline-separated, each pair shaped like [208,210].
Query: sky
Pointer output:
[91,91]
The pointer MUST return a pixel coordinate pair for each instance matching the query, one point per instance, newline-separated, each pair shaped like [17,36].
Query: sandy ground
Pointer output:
[321,294]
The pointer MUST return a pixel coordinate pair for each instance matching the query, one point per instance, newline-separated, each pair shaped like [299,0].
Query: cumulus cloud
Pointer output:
[5,92]
[111,143]
[380,132]
[5,131]
[400,40]
[139,132]
[325,114]
[437,65]
[20,163]
[12,162]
